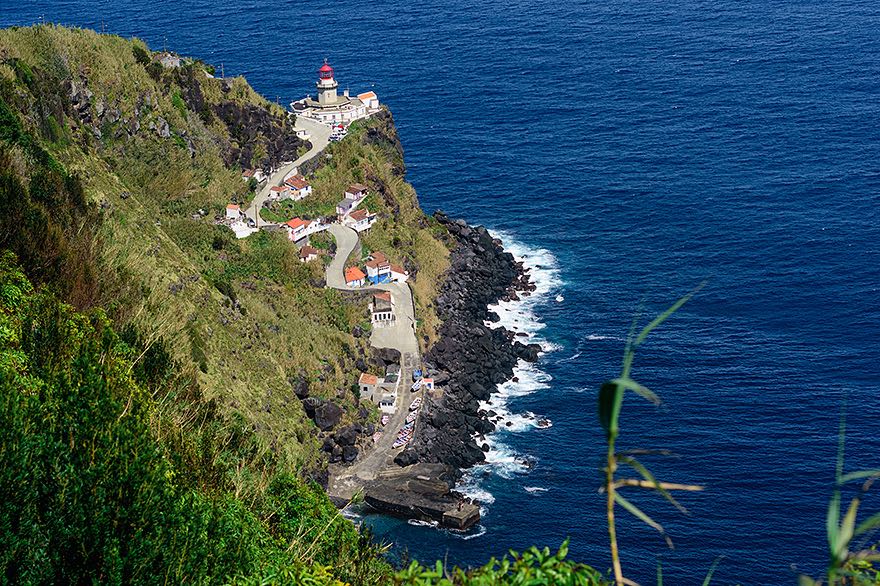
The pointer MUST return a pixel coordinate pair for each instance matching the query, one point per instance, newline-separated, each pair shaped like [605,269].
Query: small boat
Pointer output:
[417,374]
[412,417]
[415,404]
[416,385]
[560,298]
[399,443]
[385,419]
[377,436]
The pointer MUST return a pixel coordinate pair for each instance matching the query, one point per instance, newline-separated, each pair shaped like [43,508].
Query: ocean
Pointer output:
[627,151]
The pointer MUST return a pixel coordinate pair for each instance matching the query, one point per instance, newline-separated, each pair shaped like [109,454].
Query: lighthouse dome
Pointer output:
[326,72]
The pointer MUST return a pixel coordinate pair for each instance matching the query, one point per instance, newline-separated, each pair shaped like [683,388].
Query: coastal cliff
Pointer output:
[192,386]
[470,358]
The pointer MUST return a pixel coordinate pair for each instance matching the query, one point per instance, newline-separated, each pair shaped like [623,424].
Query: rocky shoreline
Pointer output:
[470,359]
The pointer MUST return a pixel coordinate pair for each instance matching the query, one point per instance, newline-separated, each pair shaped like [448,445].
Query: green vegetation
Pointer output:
[112,469]
[149,360]
[845,566]
[611,396]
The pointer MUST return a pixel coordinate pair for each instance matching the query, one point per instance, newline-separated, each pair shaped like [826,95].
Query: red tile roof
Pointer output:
[297,182]
[354,274]
[378,255]
[297,223]
[385,296]
[233,206]
[368,379]
[366,95]
[378,264]
[356,188]
[359,215]
[398,269]
[247,173]
[279,188]
[307,251]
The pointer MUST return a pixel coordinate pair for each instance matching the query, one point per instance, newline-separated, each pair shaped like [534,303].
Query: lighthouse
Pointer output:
[327,86]
[333,109]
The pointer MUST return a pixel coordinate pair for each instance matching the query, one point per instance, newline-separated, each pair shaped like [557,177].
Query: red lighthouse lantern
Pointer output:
[326,72]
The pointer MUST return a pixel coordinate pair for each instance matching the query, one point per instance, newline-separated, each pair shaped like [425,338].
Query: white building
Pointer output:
[382,310]
[359,220]
[299,187]
[344,207]
[279,192]
[399,274]
[233,211]
[332,109]
[356,191]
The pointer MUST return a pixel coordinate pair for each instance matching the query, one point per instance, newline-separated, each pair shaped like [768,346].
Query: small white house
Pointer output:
[344,207]
[299,187]
[367,385]
[354,277]
[356,191]
[370,100]
[297,228]
[233,211]
[303,134]
[360,220]
[308,253]
[399,274]
[381,309]
[277,192]
[428,384]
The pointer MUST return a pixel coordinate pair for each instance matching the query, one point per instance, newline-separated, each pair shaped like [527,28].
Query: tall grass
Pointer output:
[611,395]
[846,566]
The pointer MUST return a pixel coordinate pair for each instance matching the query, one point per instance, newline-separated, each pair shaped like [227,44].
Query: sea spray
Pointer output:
[521,317]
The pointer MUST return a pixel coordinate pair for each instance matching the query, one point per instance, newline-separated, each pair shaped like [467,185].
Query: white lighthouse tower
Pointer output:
[333,109]
[327,85]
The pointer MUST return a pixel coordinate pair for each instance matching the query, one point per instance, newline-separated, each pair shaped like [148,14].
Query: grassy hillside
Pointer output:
[148,360]
[156,154]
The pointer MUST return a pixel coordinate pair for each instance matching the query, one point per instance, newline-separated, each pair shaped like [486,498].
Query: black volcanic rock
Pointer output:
[470,359]
[327,415]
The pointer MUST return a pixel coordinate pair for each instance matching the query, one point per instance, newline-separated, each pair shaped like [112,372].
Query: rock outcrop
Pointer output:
[470,359]
[423,491]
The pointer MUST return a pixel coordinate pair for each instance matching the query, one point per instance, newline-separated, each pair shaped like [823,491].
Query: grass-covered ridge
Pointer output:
[124,165]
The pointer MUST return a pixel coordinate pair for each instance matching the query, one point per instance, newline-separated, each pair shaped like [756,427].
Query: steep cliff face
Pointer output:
[118,167]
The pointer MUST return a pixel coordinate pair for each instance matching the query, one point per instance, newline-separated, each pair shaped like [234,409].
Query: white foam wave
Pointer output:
[520,317]
[420,523]
[596,337]
[535,489]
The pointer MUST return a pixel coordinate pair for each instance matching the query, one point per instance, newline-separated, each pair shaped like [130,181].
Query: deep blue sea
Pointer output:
[628,150]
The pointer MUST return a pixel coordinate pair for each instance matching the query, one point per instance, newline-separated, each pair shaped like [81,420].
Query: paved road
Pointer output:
[346,241]
[346,480]
[320,139]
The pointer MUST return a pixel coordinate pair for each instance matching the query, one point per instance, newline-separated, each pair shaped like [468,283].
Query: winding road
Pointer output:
[345,481]
[320,138]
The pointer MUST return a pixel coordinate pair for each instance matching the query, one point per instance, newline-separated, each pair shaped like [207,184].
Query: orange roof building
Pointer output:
[354,275]
[368,379]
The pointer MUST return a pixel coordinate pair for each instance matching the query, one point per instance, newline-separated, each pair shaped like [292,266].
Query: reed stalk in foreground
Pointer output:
[845,566]
[610,402]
